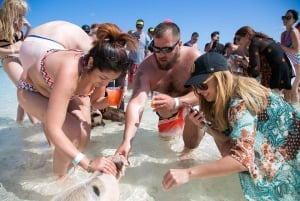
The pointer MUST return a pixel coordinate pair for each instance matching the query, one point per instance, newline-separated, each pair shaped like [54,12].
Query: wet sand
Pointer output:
[26,161]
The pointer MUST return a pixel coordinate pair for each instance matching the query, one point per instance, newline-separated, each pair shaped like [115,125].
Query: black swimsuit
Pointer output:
[16,39]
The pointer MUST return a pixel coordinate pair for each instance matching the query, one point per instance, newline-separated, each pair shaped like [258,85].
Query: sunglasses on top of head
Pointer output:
[288,17]
[164,49]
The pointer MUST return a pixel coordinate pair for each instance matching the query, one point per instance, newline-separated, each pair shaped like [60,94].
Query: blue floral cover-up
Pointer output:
[267,144]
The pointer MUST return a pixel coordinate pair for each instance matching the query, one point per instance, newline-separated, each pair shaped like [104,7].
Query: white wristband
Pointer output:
[12,50]
[78,158]
[176,103]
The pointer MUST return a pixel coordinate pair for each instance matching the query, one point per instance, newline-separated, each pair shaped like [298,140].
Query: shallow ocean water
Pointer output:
[26,160]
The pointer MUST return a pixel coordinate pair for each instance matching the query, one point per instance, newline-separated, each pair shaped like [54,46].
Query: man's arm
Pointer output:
[134,111]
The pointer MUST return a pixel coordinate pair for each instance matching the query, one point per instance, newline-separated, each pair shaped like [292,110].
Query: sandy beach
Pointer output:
[26,160]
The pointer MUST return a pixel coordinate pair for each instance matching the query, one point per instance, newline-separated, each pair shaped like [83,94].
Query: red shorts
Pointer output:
[171,126]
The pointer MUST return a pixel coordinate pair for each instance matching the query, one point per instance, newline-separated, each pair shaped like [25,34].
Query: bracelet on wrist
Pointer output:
[176,103]
[78,158]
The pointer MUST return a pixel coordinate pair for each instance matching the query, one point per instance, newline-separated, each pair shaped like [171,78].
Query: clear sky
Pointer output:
[203,16]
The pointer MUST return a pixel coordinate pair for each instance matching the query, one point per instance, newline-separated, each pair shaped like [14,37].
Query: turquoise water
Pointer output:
[26,160]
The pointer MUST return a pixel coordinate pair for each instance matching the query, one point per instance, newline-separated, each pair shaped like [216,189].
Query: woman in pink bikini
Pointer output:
[59,84]
[291,45]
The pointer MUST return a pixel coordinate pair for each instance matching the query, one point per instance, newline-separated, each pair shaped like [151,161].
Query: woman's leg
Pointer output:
[13,69]
[76,126]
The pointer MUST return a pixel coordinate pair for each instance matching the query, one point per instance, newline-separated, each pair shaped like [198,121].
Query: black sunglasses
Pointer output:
[286,17]
[201,86]
[164,49]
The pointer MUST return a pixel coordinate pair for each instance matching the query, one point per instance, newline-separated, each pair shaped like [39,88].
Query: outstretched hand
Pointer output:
[175,177]
[124,150]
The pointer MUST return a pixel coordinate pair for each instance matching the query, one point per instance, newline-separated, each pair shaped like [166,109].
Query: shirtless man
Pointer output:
[165,71]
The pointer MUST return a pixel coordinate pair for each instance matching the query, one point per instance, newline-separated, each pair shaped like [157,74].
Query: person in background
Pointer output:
[93,33]
[165,72]
[12,20]
[290,43]
[214,45]
[193,41]
[150,34]
[86,28]
[232,48]
[237,57]
[63,105]
[297,26]
[142,50]
[258,145]
[267,60]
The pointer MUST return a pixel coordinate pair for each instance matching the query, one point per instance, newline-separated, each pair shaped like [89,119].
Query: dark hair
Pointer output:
[163,27]
[214,33]
[94,25]
[243,31]
[195,34]
[227,45]
[109,51]
[86,28]
[294,13]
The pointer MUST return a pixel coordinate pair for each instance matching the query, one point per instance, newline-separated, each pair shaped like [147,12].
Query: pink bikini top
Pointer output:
[50,81]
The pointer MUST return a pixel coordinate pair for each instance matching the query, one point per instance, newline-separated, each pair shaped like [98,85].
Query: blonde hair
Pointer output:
[229,87]
[9,13]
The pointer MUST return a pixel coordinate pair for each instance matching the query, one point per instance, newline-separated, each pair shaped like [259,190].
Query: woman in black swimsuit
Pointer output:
[12,21]
[267,60]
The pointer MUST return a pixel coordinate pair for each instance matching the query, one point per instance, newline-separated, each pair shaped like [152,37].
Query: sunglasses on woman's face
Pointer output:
[287,17]
[201,86]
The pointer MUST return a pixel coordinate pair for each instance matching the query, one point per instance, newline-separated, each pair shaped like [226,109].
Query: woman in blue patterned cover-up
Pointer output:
[255,129]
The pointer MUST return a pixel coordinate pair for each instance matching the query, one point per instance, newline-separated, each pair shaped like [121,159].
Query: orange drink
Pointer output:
[114,95]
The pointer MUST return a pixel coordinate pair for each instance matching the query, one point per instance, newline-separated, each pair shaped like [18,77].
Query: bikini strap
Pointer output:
[43,70]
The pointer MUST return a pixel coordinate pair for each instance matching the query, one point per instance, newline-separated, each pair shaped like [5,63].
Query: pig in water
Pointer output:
[100,187]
